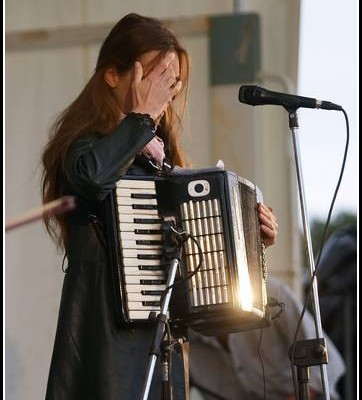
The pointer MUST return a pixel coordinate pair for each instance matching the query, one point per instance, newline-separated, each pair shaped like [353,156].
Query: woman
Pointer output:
[130,111]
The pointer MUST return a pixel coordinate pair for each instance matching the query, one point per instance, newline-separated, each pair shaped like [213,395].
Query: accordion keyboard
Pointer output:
[140,238]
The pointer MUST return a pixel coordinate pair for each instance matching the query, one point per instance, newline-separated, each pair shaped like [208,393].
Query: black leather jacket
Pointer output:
[93,358]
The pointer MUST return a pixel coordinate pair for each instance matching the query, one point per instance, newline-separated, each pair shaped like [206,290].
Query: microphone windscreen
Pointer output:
[247,94]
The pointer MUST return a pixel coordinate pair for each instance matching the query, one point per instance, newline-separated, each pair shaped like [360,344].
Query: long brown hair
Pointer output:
[95,109]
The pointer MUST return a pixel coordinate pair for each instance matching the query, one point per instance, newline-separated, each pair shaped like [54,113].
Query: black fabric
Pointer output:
[337,287]
[93,358]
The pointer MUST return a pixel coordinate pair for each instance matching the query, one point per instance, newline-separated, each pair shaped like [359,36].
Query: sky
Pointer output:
[328,70]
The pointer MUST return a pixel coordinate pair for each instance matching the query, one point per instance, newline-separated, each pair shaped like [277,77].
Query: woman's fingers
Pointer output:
[153,93]
[268,224]
[162,66]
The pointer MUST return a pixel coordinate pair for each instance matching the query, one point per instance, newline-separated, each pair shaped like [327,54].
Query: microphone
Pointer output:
[256,96]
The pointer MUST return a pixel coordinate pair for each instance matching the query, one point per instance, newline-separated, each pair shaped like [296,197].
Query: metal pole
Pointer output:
[161,318]
[293,123]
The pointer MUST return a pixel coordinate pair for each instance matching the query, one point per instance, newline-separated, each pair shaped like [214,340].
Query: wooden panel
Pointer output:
[88,34]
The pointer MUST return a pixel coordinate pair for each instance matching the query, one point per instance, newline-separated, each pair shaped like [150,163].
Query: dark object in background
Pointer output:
[337,288]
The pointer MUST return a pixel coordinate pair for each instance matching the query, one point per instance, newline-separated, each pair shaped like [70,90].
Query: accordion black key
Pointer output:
[223,294]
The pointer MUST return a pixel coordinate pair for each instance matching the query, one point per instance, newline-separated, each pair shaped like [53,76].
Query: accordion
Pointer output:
[216,208]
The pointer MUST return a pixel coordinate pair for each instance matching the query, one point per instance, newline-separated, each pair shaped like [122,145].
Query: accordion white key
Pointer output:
[218,209]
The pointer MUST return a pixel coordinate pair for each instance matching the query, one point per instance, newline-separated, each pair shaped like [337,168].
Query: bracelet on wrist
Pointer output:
[144,120]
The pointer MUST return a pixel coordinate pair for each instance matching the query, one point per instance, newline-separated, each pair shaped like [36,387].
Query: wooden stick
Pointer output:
[59,206]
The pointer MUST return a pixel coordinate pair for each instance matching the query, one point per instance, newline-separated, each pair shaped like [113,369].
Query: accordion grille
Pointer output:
[203,221]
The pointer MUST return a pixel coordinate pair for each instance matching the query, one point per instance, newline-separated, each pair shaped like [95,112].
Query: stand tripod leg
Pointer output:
[161,320]
[166,387]
[149,374]
[303,379]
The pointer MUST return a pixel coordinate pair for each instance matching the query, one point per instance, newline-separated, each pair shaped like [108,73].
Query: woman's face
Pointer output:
[121,83]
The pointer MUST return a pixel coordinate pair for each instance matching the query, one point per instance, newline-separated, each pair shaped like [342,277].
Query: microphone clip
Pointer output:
[173,239]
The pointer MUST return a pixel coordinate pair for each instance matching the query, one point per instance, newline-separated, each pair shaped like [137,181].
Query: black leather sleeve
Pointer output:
[94,163]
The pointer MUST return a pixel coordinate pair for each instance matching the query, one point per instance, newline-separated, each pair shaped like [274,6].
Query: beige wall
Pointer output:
[41,81]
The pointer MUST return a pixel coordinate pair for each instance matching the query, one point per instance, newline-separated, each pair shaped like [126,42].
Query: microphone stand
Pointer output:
[159,331]
[308,352]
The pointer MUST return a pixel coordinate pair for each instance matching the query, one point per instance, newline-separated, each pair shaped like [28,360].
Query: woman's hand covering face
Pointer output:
[151,93]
